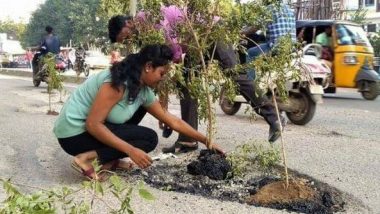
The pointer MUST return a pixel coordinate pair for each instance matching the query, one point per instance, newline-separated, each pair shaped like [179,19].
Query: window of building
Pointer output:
[369,3]
[371,28]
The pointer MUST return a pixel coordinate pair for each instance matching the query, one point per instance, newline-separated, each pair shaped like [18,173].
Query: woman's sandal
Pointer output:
[88,174]
[178,147]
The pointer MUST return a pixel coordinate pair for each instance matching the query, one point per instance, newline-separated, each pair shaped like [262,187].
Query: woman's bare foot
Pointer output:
[189,144]
[127,164]
[119,164]
[84,162]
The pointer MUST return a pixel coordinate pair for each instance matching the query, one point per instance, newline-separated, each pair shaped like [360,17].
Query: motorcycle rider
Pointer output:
[80,55]
[282,24]
[49,44]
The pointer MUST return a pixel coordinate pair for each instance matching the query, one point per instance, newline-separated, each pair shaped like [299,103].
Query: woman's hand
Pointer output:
[140,158]
[218,149]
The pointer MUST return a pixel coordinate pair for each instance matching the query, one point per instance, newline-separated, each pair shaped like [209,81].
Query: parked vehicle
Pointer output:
[97,60]
[61,64]
[353,56]
[4,60]
[304,94]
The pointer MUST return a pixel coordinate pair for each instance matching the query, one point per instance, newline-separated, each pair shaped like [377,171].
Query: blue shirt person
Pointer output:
[283,24]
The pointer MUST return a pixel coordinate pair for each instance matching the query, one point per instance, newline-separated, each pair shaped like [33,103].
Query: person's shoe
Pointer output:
[178,147]
[167,131]
[274,132]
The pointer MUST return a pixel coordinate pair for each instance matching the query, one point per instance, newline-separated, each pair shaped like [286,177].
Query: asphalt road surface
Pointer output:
[340,146]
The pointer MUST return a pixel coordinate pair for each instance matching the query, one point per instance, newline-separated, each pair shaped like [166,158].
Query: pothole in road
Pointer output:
[257,188]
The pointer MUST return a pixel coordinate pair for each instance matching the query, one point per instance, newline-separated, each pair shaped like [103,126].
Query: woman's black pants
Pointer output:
[140,137]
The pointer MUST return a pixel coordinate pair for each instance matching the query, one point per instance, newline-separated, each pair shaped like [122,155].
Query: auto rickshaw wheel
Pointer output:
[307,110]
[373,91]
[227,106]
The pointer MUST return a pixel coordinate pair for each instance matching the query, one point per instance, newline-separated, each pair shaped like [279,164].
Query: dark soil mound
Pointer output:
[52,113]
[210,164]
[300,196]
[277,193]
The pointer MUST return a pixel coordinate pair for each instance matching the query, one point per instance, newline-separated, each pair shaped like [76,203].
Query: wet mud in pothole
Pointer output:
[210,164]
[305,194]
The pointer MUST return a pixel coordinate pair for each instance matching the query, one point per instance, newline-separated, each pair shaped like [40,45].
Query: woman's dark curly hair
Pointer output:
[128,71]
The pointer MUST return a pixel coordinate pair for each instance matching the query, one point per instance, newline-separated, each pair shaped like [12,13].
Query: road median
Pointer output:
[68,78]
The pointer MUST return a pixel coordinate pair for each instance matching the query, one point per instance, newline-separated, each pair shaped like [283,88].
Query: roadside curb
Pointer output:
[26,73]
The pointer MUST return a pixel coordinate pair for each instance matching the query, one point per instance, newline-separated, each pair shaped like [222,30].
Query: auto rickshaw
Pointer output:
[352,55]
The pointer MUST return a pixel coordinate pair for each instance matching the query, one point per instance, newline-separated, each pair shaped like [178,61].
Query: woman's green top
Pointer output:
[72,118]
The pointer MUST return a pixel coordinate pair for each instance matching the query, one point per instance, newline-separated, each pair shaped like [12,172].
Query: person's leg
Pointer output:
[163,97]
[253,53]
[189,114]
[256,51]
[257,100]
[261,105]
[85,148]
[137,116]
[140,137]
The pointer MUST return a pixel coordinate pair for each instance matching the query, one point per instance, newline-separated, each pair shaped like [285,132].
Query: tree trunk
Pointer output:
[49,92]
[282,139]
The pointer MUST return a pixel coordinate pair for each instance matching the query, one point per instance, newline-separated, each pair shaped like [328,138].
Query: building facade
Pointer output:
[373,14]
[339,9]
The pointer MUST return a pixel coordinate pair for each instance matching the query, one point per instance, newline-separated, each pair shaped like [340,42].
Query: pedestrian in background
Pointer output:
[29,57]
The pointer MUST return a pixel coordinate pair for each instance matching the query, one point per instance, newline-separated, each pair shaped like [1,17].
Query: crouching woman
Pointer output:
[98,121]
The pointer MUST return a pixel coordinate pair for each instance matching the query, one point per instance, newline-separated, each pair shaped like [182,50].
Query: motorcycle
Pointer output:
[40,72]
[80,63]
[304,94]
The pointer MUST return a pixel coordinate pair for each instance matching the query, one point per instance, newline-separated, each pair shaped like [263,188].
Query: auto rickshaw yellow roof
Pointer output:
[327,22]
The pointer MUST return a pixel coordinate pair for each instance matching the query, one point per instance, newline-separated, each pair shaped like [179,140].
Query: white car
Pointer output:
[97,60]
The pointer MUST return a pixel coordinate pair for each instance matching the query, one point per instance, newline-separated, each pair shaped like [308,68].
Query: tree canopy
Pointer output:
[13,29]
[72,20]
